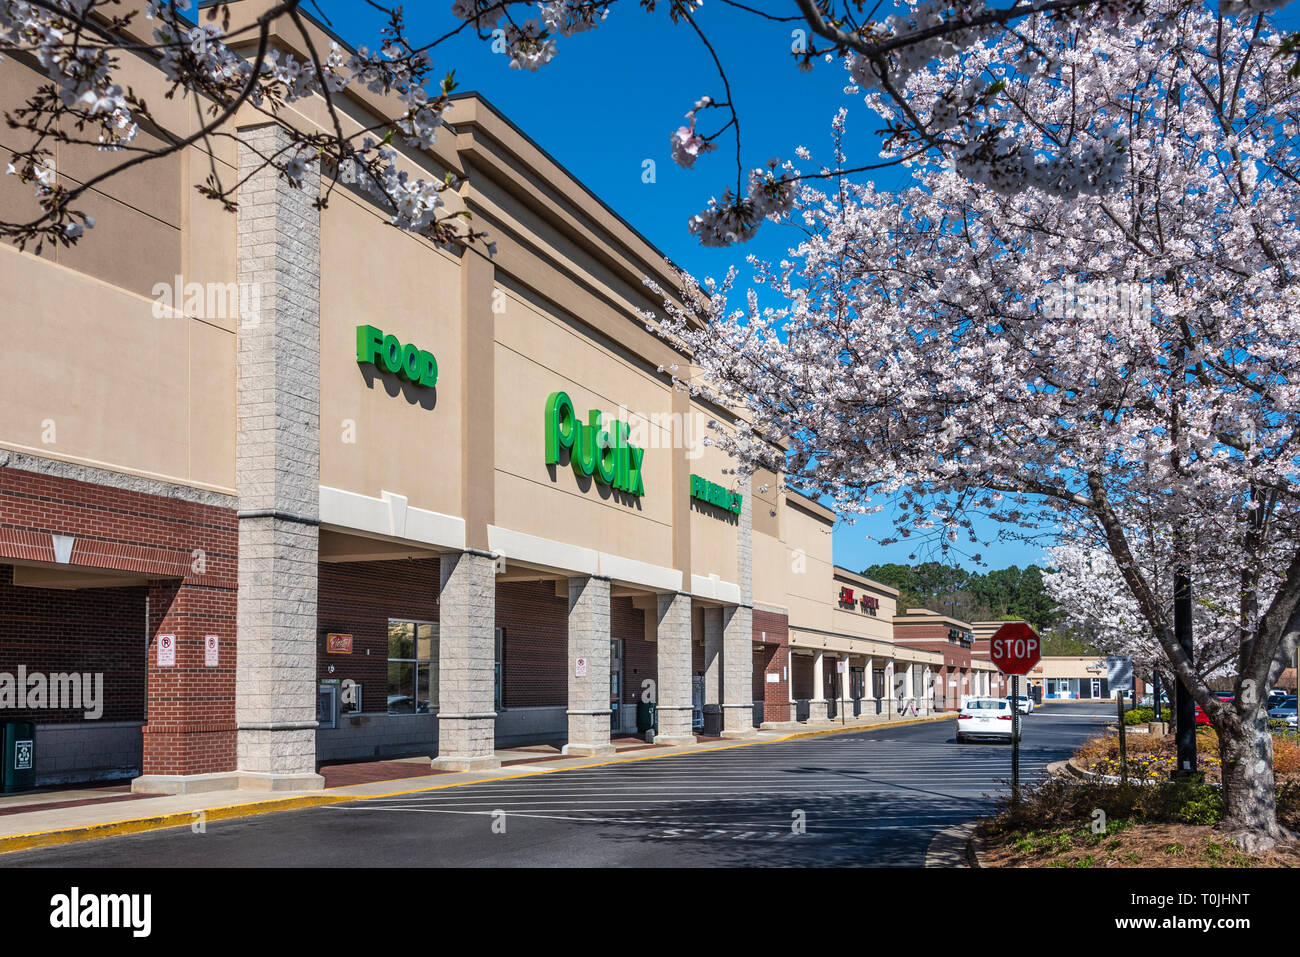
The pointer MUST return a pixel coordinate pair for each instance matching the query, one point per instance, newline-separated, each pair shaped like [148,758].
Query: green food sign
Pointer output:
[715,494]
[387,352]
[594,449]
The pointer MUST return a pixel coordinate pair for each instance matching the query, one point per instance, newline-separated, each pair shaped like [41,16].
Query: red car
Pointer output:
[1202,718]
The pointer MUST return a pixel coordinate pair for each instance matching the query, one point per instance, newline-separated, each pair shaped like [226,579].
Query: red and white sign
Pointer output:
[166,651]
[580,668]
[1015,648]
[336,644]
[211,651]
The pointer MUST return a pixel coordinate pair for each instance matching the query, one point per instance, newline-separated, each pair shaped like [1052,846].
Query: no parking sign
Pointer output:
[166,651]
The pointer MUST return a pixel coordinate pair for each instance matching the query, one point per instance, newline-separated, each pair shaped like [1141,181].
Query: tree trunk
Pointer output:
[1249,798]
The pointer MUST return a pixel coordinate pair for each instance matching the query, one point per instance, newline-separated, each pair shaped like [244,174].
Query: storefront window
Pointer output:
[412,667]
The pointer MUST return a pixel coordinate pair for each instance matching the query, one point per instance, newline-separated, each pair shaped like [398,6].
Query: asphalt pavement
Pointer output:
[873,798]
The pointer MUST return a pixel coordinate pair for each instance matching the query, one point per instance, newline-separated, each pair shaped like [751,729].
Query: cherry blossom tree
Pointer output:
[228,61]
[1096,602]
[1088,311]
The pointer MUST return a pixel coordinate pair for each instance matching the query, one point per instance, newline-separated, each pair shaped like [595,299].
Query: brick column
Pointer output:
[776,694]
[674,653]
[589,711]
[713,666]
[277,471]
[466,661]
[191,729]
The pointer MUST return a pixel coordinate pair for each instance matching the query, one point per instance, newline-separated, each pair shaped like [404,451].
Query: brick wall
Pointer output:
[774,630]
[358,598]
[536,624]
[187,547]
[802,668]
[93,630]
[640,657]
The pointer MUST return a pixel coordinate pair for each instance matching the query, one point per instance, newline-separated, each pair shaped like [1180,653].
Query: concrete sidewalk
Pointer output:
[50,818]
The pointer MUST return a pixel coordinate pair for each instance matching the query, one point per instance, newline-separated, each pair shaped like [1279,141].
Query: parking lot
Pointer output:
[872,798]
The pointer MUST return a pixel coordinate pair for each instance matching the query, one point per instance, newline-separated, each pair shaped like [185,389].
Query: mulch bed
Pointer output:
[1140,845]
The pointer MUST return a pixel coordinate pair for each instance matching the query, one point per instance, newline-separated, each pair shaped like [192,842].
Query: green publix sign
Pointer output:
[715,494]
[384,351]
[594,449]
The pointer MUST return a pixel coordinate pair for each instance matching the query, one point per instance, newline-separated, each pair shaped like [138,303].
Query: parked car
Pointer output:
[1026,703]
[1277,698]
[1202,718]
[1285,711]
[989,718]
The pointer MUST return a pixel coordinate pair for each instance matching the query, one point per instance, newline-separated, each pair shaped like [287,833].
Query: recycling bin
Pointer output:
[647,717]
[19,756]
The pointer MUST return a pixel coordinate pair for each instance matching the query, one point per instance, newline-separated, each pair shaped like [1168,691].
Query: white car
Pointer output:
[1026,704]
[985,718]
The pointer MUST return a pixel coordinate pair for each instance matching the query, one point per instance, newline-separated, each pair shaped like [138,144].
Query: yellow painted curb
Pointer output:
[91,832]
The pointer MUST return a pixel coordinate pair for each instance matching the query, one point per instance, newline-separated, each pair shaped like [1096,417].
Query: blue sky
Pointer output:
[609,100]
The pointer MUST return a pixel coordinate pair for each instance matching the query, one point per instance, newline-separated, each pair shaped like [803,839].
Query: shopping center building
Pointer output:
[302,487]
[964,669]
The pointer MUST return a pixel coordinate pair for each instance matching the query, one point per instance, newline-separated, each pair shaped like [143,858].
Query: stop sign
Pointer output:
[1015,648]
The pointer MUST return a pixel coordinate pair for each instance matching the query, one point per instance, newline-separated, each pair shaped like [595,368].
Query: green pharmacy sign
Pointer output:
[594,449]
[386,352]
[714,494]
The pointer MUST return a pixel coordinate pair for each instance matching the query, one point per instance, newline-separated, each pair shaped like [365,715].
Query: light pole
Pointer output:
[1185,706]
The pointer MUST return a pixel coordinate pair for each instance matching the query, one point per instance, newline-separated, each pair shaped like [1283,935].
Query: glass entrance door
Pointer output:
[615,684]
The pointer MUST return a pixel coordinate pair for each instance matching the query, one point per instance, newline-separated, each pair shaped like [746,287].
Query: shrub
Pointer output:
[1286,754]
[1145,716]
[1055,803]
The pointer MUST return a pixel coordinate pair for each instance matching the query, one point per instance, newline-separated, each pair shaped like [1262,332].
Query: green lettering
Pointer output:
[583,456]
[635,485]
[428,369]
[561,425]
[620,455]
[411,363]
[606,455]
[369,341]
[391,353]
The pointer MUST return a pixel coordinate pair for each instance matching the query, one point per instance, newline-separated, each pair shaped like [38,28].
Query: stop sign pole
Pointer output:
[1015,648]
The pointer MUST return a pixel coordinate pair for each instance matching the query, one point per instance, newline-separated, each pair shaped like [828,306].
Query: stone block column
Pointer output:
[589,711]
[674,663]
[817,707]
[738,629]
[738,672]
[277,471]
[466,662]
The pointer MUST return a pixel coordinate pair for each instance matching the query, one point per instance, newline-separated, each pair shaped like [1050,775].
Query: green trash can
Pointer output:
[647,717]
[19,756]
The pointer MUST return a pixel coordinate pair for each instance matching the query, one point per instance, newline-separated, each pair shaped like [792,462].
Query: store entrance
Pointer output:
[615,684]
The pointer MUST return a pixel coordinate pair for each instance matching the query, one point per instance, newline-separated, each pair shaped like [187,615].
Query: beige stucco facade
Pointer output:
[136,357]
